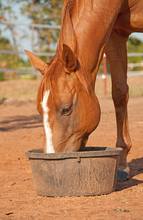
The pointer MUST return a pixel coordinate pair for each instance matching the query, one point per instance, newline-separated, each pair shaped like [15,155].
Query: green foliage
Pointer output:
[7,13]
[10,61]
[44,12]
[134,42]
[40,12]
[135,45]
[2,77]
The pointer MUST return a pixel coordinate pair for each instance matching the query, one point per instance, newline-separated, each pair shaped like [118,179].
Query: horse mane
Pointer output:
[68,5]
[68,37]
[67,34]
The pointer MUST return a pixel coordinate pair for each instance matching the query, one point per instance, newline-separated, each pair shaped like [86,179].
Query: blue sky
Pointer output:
[138,35]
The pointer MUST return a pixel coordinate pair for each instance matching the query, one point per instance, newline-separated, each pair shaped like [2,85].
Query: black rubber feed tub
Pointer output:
[90,172]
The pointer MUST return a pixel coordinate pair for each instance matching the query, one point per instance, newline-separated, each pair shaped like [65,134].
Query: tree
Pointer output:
[40,12]
[134,41]
[8,61]
[7,14]
[44,12]
[135,45]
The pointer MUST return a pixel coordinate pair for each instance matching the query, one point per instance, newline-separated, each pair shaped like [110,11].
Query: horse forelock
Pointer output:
[45,84]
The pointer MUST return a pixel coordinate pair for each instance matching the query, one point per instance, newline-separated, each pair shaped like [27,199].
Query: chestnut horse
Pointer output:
[66,98]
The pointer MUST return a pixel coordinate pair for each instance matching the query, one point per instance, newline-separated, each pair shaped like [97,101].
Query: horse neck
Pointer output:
[86,27]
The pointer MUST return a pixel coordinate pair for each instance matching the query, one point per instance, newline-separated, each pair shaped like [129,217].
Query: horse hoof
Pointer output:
[123,174]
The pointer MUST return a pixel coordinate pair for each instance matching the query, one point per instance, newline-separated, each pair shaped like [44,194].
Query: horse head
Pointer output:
[68,106]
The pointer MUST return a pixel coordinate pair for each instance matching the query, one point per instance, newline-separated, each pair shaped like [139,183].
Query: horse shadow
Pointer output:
[20,122]
[136,168]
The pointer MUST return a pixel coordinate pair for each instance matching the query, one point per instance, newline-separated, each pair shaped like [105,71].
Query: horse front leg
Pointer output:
[117,56]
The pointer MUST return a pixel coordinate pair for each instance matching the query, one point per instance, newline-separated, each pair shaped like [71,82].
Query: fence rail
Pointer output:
[22,52]
[19,71]
[32,25]
[52,54]
[130,73]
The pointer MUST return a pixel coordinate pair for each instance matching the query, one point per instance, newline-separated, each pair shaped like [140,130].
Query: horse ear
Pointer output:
[37,63]
[68,58]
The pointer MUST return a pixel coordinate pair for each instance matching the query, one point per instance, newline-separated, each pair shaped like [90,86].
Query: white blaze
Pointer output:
[48,132]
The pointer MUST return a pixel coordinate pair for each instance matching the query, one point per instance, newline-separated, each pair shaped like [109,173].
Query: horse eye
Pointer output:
[67,110]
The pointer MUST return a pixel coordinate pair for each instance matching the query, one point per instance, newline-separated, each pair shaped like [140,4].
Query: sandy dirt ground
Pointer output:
[21,130]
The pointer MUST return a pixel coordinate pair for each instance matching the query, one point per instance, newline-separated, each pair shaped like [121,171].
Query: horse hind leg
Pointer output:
[117,56]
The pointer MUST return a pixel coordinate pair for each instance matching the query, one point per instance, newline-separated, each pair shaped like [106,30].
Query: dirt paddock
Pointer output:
[21,129]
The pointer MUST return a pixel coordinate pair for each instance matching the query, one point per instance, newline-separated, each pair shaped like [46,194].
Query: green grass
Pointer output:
[134,92]
[122,210]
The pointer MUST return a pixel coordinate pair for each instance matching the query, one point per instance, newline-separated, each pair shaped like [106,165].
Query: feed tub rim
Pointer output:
[95,152]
